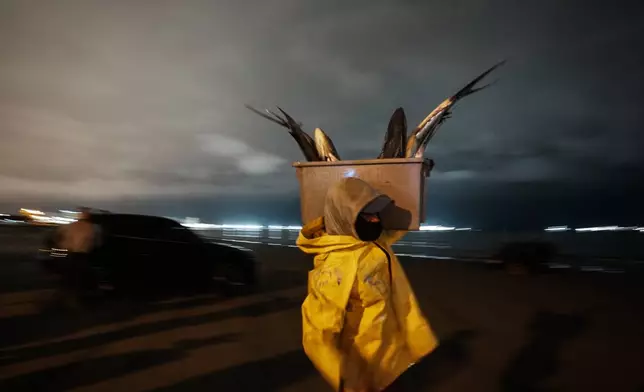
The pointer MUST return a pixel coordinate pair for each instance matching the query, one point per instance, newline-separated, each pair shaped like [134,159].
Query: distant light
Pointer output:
[13,221]
[32,212]
[557,228]
[242,227]
[249,227]
[62,221]
[200,226]
[69,212]
[5,215]
[598,228]
[280,227]
[436,228]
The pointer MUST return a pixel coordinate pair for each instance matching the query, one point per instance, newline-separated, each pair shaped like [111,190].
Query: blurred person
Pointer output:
[78,238]
[362,326]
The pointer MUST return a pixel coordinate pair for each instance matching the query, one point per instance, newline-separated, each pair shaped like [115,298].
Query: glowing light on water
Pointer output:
[598,228]
[242,227]
[557,228]
[436,228]
[280,227]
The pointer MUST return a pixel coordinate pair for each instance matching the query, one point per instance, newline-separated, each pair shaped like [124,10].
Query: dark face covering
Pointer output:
[368,231]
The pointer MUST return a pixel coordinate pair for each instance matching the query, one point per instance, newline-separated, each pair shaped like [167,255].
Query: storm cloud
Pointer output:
[121,99]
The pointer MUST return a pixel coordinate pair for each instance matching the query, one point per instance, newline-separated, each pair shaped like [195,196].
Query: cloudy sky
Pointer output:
[139,105]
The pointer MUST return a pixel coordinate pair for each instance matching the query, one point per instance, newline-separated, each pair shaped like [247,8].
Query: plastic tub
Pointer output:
[402,179]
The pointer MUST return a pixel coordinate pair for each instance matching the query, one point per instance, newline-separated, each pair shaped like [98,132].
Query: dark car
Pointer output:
[142,252]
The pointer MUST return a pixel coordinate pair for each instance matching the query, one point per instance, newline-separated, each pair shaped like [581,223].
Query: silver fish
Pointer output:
[425,133]
[324,145]
[395,137]
[306,143]
[417,141]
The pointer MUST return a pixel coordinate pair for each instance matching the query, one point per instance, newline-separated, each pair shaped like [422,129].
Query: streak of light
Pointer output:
[53,219]
[200,226]
[242,227]
[32,212]
[557,228]
[436,228]
[280,227]
[598,228]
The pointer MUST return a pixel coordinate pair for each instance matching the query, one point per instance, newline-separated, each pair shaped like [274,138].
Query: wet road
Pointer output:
[556,331]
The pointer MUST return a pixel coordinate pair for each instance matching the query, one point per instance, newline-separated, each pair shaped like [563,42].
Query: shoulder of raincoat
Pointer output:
[361,319]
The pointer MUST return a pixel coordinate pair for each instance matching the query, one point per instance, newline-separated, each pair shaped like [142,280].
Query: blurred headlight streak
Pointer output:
[31,212]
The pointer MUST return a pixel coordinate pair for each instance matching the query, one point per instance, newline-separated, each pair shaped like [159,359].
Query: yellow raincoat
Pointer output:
[361,321]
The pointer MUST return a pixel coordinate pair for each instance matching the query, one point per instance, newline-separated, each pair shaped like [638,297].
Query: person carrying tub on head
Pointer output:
[362,326]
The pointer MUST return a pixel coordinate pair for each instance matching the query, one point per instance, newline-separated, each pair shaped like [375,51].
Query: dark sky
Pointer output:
[139,105]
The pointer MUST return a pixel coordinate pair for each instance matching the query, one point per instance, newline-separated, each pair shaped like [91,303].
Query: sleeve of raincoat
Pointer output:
[323,313]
